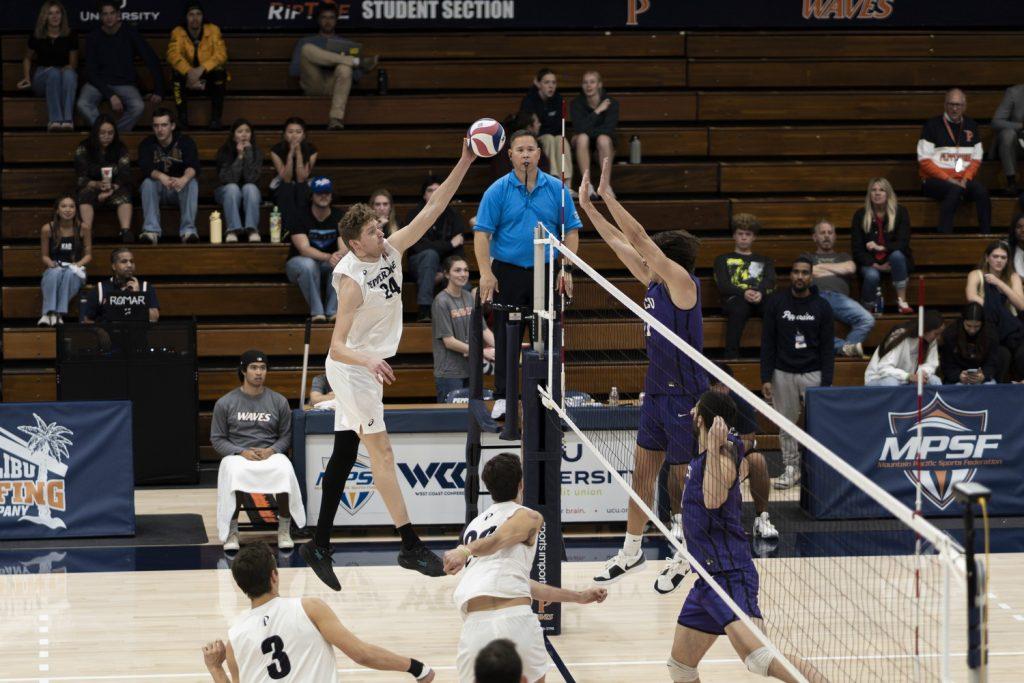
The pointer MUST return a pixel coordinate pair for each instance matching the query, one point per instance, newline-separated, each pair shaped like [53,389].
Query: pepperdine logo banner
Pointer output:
[298,15]
[966,434]
[66,469]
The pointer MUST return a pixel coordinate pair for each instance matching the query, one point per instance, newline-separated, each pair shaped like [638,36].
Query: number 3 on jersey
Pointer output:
[390,288]
[281,666]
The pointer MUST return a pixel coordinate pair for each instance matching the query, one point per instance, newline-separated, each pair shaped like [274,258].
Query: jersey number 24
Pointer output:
[390,288]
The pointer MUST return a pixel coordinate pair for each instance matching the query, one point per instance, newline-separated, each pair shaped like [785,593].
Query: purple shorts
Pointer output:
[666,425]
[705,611]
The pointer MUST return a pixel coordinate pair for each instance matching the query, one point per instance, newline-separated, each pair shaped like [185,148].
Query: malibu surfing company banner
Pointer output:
[967,434]
[298,15]
[66,469]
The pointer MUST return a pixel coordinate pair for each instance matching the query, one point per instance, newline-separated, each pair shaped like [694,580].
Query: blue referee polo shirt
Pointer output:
[510,214]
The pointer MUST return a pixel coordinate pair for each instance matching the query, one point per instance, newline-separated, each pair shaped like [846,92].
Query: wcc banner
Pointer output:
[967,434]
[298,15]
[66,470]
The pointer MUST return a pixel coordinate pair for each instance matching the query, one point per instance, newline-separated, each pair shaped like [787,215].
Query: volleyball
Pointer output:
[486,137]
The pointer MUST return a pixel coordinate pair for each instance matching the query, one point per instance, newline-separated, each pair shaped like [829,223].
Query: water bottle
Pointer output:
[613,397]
[275,225]
[216,232]
[382,81]
[879,304]
[634,150]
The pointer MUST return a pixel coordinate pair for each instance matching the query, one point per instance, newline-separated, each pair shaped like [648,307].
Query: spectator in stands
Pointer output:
[544,102]
[294,159]
[969,352]
[239,164]
[595,115]
[949,157]
[745,280]
[452,313]
[832,273]
[169,161]
[894,362]
[443,239]
[110,53]
[65,246]
[251,430]
[796,353]
[326,64]
[498,662]
[53,46]
[314,251]
[104,175]
[384,206]
[320,392]
[1016,242]
[503,240]
[198,56]
[880,241]
[998,289]
[1008,124]
[122,297]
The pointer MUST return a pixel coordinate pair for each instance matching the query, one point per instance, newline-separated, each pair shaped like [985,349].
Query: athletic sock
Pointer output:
[409,538]
[346,448]
[632,544]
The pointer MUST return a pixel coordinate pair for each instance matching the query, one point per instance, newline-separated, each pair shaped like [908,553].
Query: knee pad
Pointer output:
[759,660]
[680,673]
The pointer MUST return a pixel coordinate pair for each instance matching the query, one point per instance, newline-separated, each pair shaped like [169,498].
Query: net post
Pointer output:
[970,494]
[542,486]
[513,336]
[476,395]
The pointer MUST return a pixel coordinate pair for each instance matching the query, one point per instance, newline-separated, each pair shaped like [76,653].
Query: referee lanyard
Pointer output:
[959,165]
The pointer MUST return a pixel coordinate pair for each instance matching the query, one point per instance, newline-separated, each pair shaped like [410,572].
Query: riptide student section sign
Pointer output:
[66,470]
[968,433]
[430,456]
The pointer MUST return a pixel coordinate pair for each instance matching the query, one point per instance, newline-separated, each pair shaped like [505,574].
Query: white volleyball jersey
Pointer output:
[277,641]
[506,573]
[377,324]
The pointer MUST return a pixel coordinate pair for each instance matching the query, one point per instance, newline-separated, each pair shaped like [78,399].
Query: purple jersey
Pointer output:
[670,371]
[716,537]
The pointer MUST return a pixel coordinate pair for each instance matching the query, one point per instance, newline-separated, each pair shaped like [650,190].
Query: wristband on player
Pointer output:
[418,669]
[465,549]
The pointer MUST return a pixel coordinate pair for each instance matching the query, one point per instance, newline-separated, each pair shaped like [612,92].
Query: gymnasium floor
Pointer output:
[149,625]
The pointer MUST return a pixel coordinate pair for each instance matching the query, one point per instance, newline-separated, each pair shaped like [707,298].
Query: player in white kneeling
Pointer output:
[496,591]
[290,639]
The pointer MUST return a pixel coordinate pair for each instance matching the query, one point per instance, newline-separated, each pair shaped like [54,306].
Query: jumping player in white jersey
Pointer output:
[367,331]
[290,639]
[496,590]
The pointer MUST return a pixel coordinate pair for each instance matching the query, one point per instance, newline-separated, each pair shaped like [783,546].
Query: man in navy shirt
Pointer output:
[510,210]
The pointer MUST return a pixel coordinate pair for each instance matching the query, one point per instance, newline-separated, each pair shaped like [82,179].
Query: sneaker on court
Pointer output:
[284,536]
[498,411]
[677,527]
[853,350]
[319,560]
[671,577]
[618,566]
[763,527]
[789,478]
[232,543]
[421,559]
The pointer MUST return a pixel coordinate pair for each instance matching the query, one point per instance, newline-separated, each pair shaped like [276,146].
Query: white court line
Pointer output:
[571,665]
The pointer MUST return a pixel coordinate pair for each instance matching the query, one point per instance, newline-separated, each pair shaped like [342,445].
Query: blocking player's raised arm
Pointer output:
[612,236]
[719,466]
[439,200]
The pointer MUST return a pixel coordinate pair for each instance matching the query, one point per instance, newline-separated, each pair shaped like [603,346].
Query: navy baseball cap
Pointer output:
[321,185]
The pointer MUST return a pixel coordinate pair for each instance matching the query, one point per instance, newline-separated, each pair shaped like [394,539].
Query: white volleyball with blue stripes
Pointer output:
[486,137]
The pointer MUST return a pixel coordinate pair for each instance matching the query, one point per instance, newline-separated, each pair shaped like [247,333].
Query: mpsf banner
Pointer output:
[967,434]
[298,15]
[66,469]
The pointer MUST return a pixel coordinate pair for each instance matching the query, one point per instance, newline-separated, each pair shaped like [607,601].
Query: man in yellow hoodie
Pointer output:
[198,57]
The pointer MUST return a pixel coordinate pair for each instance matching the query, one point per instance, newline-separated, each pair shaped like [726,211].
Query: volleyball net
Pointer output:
[869,599]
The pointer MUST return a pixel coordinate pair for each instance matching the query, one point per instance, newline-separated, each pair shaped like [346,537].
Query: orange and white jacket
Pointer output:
[943,142]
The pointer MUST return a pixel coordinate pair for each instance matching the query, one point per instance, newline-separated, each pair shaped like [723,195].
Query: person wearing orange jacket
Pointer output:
[198,57]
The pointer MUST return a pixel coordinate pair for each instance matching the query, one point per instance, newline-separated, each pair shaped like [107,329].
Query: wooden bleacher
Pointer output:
[786,126]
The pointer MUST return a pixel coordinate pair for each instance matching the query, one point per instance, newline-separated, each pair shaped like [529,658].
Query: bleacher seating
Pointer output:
[786,126]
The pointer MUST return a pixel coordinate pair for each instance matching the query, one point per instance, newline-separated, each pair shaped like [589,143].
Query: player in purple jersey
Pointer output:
[665,265]
[712,506]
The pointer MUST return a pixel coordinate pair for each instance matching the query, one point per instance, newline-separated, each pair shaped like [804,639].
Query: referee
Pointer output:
[503,239]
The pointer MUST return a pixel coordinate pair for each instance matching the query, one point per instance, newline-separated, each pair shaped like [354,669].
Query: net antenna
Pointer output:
[946,550]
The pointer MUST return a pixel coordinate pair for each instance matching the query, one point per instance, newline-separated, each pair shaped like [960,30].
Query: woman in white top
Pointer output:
[895,360]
